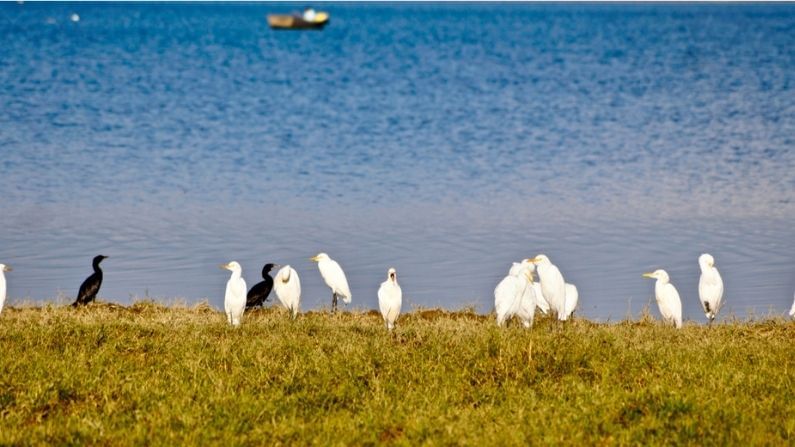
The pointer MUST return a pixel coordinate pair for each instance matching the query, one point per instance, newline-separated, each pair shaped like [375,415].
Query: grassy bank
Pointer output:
[168,376]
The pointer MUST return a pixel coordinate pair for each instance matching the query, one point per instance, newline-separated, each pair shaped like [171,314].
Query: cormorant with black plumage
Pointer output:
[259,293]
[90,287]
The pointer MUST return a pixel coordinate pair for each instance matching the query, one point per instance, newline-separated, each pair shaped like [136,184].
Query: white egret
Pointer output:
[667,297]
[572,297]
[514,295]
[527,302]
[540,301]
[506,298]
[235,296]
[334,277]
[792,310]
[553,287]
[3,268]
[710,286]
[287,286]
[390,299]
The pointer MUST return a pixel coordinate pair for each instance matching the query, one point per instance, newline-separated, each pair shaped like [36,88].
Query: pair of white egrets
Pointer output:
[287,286]
[518,295]
[710,292]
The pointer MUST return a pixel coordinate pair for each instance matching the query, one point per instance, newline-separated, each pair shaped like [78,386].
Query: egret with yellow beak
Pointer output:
[235,296]
[553,287]
[515,296]
[334,277]
[667,297]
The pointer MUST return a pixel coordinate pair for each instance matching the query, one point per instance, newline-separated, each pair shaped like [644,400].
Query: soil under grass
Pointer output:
[154,375]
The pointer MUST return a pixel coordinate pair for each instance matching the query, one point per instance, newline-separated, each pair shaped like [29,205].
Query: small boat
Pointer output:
[285,21]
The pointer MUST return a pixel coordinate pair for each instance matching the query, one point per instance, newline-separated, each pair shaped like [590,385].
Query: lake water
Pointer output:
[446,140]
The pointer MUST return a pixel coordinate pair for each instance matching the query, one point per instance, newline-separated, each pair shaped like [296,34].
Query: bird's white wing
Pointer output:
[505,298]
[527,305]
[294,286]
[2,289]
[539,295]
[394,303]
[670,304]
[572,298]
[553,287]
[383,299]
[710,291]
[335,278]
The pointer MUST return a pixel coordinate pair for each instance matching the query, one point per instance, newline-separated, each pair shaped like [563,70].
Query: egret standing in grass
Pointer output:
[538,296]
[288,289]
[235,296]
[515,296]
[259,293]
[334,277]
[710,286]
[3,268]
[90,287]
[572,298]
[390,299]
[553,287]
[667,297]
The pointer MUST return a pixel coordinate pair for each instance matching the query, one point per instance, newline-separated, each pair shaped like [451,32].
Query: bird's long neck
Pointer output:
[236,274]
[97,270]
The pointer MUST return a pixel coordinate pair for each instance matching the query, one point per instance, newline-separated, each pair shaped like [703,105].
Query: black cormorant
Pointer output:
[259,293]
[90,287]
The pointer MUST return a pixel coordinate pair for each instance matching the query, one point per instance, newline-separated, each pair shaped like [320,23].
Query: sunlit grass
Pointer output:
[149,374]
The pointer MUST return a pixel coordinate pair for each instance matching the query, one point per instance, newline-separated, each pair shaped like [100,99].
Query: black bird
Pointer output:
[90,287]
[259,293]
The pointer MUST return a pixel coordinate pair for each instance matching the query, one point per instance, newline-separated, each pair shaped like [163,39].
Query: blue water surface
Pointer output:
[445,140]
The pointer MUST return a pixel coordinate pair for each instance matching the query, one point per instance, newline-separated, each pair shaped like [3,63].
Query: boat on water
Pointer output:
[298,21]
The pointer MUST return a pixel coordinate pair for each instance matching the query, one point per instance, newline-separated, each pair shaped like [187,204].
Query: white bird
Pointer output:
[533,295]
[527,303]
[572,297]
[792,310]
[235,296]
[334,277]
[667,297]
[390,299]
[514,295]
[553,287]
[3,268]
[710,286]
[287,286]
[542,304]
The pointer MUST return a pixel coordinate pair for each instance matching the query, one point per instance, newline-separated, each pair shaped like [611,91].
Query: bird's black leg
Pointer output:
[333,302]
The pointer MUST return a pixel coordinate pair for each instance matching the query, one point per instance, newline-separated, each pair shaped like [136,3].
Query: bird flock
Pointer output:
[518,294]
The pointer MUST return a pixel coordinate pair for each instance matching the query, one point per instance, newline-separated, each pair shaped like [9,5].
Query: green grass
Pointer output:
[154,375]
